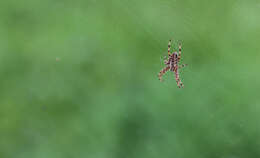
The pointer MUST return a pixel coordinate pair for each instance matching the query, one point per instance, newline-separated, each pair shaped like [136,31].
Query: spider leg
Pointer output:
[183,65]
[177,77]
[162,72]
[181,84]
[179,54]
[169,48]
[166,61]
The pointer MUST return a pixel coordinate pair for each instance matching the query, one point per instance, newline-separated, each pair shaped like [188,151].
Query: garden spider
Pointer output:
[172,64]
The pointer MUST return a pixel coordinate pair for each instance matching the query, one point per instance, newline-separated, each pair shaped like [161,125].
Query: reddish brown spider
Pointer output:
[172,64]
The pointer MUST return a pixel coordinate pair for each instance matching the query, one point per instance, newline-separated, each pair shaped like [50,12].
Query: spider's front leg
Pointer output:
[162,72]
[169,48]
[179,53]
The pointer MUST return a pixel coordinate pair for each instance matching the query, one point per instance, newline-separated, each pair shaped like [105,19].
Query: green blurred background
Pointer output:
[79,79]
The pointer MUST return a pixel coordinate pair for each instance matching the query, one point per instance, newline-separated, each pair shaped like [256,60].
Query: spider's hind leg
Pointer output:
[179,83]
[162,72]
[177,78]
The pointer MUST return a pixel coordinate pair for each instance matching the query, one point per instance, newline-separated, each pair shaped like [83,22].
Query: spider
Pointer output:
[172,64]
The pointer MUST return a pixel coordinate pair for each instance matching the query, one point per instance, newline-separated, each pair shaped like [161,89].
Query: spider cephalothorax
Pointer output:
[172,64]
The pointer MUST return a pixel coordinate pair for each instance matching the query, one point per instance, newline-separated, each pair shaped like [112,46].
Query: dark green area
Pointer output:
[79,79]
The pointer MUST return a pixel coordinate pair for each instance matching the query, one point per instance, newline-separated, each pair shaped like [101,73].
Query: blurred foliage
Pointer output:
[79,79]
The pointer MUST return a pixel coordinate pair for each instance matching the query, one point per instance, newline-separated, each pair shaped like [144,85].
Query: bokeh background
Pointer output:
[79,79]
